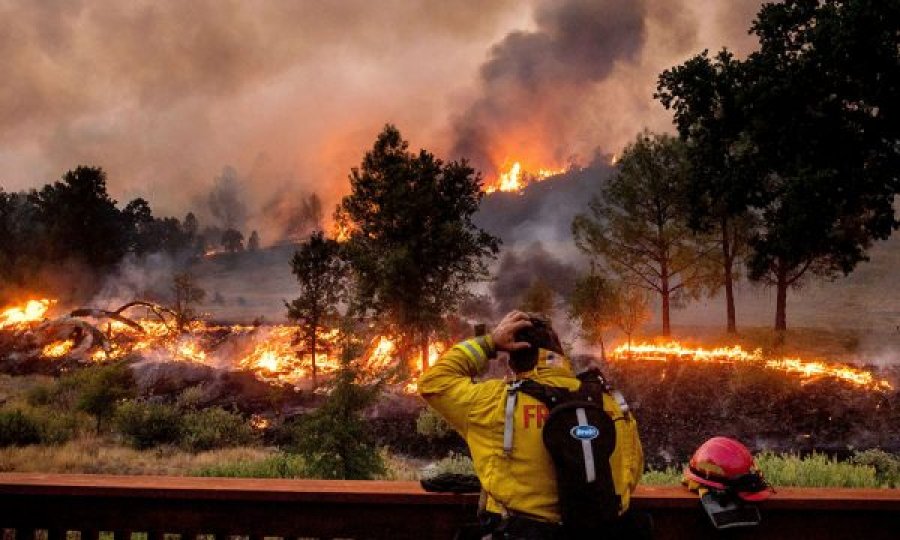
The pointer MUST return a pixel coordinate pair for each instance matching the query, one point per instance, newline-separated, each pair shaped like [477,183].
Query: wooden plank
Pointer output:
[347,509]
[385,492]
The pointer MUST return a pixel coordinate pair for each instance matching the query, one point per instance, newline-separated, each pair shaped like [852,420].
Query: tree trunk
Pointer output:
[781,297]
[602,350]
[666,323]
[312,347]
[425,336]
[728,260]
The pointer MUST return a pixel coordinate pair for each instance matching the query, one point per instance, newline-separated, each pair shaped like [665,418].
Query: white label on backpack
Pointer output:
[584,433]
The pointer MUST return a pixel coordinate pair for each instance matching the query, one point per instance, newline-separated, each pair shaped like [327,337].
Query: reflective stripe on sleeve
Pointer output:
[474,350]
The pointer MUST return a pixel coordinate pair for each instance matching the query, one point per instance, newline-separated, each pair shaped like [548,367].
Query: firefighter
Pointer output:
[520,498]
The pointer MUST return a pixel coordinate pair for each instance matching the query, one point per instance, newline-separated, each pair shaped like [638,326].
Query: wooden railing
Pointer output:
[53,506]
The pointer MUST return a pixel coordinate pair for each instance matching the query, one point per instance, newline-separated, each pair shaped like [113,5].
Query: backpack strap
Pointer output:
[593,382]
[512,393]
[550,396]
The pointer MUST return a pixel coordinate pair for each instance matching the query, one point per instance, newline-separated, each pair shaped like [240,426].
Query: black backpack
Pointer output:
[580,436]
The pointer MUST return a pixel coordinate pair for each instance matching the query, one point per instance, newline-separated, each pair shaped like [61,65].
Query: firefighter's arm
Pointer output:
[448,386]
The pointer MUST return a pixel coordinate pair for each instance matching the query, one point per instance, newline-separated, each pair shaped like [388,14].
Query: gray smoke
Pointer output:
[533,83]
[520,268]
[226,200]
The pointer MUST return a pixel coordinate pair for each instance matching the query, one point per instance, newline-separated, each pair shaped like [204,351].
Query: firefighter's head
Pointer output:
[539,335]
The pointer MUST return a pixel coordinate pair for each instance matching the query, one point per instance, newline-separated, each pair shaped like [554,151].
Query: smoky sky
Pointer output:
[521,268]
[166,94]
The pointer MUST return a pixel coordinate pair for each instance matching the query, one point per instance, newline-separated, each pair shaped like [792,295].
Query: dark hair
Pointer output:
[541,336]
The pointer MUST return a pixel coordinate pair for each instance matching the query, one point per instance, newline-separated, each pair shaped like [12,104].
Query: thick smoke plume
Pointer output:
[583,78]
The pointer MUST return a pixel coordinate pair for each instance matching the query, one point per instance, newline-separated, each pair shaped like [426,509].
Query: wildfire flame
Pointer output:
[31,311]
[273,353]
[57,349]
[515,178]
[806,369]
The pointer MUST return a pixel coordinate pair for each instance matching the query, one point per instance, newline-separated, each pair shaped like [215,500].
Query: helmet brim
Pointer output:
[749,496]
[702,481]
[754,496]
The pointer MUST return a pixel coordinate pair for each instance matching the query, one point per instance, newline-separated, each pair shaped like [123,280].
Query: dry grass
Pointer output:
[93,456]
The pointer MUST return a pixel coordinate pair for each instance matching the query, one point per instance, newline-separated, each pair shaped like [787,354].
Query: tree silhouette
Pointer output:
[321,274]
[638,226]
[411,241]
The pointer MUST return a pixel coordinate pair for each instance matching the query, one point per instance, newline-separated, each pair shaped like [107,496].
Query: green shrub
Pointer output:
[452,464]
[18,429]
[886,465]
[815,470]
[101,389]
[58,426]
[214,428]
[191,398]
[279,466]
[872,468]
[670,476]
[431,425]
[334,441]
[40,395]
[144,425]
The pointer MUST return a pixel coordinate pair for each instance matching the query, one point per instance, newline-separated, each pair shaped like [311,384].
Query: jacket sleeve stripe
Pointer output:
[474,352]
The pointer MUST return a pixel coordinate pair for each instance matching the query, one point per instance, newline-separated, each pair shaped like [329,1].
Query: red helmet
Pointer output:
[726,464]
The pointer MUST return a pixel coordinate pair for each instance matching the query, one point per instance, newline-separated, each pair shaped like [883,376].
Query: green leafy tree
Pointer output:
[594,304]
[411,242]
[824,87]
[706,97]
[334,440]
[24,238]
[321,274]
[102,388]
[638,227]
[81,221]
[809,122]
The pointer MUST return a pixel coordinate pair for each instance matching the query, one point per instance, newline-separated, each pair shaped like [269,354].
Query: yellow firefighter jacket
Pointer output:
[523,482]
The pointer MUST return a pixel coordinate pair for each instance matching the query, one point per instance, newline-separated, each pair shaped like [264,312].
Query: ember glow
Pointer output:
[806,369]
[515,177]
[58,349]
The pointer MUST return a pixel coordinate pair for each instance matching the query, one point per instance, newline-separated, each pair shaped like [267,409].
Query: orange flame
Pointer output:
[516,178]
[57,349]
[806,369]
[31,311]
[272,353]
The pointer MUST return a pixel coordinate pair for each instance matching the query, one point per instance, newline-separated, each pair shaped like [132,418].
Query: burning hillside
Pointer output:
[515,177]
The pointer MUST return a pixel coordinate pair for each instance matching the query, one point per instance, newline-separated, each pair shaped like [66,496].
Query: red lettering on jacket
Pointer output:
[537,412]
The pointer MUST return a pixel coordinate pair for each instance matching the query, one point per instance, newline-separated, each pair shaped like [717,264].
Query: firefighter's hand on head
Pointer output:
[504,335]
